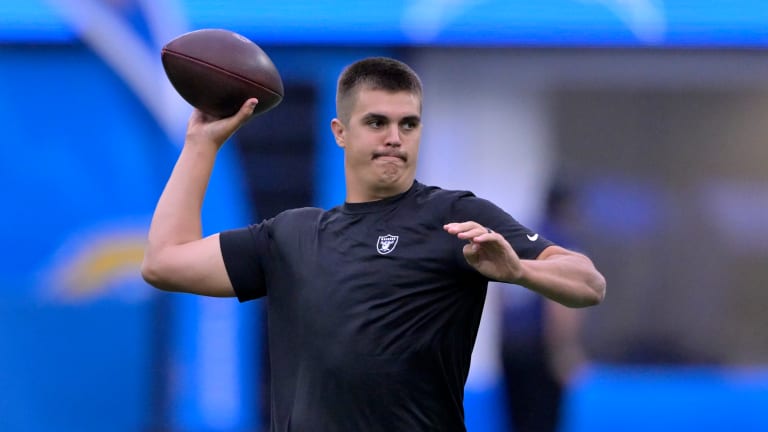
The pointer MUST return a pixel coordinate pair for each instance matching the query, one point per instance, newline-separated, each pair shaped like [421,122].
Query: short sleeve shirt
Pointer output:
[372,309]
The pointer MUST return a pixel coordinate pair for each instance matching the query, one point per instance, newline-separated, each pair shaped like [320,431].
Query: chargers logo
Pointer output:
[386,243]
[98,264]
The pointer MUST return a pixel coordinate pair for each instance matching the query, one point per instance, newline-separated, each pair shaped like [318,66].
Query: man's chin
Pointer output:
[390,173]
[396,180]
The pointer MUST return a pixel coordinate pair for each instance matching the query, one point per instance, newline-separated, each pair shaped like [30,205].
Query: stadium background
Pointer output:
[656,108]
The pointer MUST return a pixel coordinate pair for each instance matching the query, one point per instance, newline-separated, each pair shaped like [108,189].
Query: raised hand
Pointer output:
[204,127]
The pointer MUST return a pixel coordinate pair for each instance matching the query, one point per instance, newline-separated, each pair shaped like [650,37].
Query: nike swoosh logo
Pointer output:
[532,237]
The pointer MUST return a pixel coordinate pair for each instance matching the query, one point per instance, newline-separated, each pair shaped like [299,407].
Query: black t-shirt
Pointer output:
[372,309]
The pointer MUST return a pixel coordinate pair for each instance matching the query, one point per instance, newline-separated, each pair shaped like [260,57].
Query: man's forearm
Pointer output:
[570,279]
[177,216]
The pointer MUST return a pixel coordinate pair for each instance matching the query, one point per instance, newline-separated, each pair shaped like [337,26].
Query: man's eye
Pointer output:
[410,125]
[375,123]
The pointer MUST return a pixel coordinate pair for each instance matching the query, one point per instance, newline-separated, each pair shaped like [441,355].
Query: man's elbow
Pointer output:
[591,292]
[153,273]
[596,288]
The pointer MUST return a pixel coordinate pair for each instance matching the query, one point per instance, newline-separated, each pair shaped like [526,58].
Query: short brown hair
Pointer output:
[376,73]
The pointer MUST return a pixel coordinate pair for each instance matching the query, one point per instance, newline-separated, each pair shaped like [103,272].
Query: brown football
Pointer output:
[217,70]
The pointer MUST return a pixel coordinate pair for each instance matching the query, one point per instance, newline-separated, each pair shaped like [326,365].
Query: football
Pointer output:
[217,70]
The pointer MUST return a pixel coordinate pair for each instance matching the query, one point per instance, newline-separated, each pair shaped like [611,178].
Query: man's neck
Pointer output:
[361,194]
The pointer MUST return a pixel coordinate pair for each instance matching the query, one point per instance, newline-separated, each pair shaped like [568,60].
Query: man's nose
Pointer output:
[393,136]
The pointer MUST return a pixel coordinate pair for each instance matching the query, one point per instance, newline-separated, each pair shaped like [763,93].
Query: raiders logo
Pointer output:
[386,244]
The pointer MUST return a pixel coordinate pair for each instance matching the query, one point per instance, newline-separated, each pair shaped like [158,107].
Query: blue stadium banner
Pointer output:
[624,23]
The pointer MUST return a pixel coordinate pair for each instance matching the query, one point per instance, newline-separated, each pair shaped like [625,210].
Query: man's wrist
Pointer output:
[519,275]
[201,145]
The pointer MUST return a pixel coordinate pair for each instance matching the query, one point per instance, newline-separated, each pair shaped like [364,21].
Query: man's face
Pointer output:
[381,140]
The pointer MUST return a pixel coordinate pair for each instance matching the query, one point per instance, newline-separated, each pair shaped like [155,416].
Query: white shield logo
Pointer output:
[386,244]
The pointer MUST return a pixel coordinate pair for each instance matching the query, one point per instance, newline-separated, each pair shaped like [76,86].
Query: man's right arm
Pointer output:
[195,267]
[177,257]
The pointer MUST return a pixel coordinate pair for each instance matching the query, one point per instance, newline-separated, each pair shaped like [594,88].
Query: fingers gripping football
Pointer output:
[207,127]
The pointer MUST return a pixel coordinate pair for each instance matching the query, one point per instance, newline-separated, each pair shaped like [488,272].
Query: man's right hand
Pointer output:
[205,128]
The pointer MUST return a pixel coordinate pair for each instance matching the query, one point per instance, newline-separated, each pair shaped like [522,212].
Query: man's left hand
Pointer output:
[487,251]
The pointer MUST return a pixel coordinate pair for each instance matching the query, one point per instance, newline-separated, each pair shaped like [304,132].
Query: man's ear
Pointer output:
[337,127]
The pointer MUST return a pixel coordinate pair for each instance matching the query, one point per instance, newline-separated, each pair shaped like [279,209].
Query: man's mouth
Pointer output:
[394,154]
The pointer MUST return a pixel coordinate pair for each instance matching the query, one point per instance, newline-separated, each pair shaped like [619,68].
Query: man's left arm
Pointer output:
[562,275]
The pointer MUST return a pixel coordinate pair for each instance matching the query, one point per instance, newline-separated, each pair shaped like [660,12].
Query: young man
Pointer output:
[374,305]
